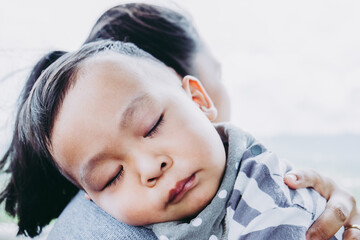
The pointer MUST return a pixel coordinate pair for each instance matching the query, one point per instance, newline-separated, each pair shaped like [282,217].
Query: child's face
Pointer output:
[136,142]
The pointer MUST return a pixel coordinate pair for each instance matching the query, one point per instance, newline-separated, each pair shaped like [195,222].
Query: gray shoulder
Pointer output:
[82,219]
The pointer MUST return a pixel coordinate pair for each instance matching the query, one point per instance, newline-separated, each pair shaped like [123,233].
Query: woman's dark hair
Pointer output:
[37,192]
[164,33]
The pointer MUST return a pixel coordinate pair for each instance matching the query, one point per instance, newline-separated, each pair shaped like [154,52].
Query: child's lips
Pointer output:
[181,187]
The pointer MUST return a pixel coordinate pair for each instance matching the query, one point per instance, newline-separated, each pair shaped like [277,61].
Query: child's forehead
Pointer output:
[126,71]
[124,64]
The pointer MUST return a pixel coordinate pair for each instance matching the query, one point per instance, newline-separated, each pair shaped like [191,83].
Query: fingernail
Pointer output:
[292,176]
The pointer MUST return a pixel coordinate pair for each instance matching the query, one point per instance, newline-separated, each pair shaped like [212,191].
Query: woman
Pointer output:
[172,38]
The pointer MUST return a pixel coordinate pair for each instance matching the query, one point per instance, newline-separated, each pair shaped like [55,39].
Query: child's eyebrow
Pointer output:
[141,100]
[136,104]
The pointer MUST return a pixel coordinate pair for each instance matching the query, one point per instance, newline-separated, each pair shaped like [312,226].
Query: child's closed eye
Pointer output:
[155,128]
[115,178]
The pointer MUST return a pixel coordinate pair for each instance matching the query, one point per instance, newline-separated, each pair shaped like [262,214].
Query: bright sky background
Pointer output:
[292,67]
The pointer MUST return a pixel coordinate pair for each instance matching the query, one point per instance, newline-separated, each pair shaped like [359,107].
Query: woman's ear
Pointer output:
[198,94]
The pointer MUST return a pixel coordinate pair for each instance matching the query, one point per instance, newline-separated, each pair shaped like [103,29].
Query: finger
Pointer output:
[292,181]
[331,220]
[351,234]
[302,178]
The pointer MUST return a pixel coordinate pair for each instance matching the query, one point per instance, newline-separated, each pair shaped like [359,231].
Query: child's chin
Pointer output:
[198,205]
[135,220]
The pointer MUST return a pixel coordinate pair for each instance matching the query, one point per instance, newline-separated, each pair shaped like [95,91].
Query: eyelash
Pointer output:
[155,128]
[150,134]
[116,178]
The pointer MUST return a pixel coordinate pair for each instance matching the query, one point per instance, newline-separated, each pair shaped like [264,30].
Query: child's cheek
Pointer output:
[130,214]
[124,205]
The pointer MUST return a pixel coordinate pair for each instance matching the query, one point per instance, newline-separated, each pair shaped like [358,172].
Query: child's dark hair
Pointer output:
[37,192]
[24,195]
[164,33]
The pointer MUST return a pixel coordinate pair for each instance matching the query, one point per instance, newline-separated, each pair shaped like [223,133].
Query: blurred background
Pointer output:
[292,69]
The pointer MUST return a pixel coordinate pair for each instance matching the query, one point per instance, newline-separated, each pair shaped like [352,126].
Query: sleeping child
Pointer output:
[119,125]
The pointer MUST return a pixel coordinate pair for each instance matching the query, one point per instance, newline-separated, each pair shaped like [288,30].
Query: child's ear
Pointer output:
[198,94]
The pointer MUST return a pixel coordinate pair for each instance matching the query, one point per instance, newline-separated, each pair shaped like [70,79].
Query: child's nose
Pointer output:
[151,169]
